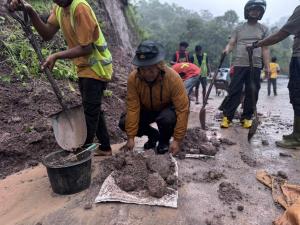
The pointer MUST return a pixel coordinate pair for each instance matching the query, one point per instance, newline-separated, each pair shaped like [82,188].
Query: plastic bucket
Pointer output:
[70,178]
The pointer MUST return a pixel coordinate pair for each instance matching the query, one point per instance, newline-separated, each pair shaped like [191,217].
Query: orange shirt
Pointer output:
[85,32]
[190,70]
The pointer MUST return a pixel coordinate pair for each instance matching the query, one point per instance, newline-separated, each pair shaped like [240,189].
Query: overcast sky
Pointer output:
[275,8]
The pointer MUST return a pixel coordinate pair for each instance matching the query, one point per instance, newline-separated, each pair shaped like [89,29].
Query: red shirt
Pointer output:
[189,69]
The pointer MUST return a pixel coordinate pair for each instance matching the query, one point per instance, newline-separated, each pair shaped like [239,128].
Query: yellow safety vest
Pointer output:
[100,59]
[203,64]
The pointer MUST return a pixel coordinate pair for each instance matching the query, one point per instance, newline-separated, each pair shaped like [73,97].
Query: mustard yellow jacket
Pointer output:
[167,90]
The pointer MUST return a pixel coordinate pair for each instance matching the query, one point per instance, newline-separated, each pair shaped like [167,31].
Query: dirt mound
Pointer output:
[26,134]
[248,160]
[196,142]
[213,176]
[135,172]
[228,193]
[156,185]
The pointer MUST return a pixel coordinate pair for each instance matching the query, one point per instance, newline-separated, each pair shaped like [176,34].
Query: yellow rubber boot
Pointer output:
[247,123]
[225,122]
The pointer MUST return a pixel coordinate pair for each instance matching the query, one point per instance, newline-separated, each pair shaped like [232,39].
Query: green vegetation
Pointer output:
[133,17]
[170,24]
[17,53]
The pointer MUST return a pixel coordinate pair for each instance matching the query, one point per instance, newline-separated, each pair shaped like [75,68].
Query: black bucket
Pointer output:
[70,178]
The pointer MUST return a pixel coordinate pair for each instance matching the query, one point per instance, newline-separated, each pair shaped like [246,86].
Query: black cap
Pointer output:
[148,53]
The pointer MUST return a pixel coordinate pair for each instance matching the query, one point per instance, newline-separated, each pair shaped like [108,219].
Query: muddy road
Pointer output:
[219,191]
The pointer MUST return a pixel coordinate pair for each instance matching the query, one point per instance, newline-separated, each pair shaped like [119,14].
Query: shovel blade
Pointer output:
[202,116]
[253,128]
[69,128]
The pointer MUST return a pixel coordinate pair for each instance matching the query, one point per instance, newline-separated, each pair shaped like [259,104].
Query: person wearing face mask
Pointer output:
[155,93]
[88,50]
[243,35]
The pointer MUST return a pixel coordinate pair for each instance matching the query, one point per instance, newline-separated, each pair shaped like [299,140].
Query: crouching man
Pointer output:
[155,93]
[189,73]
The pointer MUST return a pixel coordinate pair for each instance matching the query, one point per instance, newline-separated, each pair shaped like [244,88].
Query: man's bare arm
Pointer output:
[46,30]
[273,39]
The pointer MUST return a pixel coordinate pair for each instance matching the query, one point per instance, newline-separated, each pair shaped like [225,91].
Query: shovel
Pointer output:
[255,121]
[69,125]
[202,113]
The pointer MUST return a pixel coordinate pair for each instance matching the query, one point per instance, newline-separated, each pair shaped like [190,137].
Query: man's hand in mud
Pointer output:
[50,62]
[16,5]
[130,144]
[174,148]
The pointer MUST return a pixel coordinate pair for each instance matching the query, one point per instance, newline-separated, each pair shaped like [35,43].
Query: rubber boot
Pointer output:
[292,141]
[290,136]
[225,122]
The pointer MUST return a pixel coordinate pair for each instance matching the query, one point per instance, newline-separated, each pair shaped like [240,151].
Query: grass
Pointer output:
[19,55]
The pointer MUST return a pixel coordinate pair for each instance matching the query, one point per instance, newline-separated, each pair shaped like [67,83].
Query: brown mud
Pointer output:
[229,193]
[148,171]
[26,134]
[197,142]
[64,159]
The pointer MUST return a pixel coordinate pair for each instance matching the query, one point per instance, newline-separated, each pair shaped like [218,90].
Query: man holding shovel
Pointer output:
[292,27]
[88,50]
[245,34]
[155,93]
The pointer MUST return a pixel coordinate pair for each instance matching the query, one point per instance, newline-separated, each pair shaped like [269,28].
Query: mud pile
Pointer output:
[197,142]
[147,171]
[228,193]
[26,134]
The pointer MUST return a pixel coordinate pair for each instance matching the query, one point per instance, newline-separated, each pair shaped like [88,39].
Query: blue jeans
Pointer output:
[190,83]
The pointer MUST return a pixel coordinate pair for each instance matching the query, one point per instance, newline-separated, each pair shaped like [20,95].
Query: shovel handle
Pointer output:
[29,34]
[250,55]
[213,80]
[91,148]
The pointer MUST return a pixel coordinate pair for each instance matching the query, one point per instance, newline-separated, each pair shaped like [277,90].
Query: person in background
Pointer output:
[290,141]
[88,50]
[189,73]
[181,55]
[200,59]
[272,80]
[244,34]
[155,93]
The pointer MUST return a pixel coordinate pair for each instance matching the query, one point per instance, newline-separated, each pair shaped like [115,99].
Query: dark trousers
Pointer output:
[91,92]
[165,119]
[242,76]
[273,82]
[294,84]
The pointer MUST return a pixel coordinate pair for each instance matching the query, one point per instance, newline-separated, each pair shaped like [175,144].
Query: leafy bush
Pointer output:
[23,61]
[17,54]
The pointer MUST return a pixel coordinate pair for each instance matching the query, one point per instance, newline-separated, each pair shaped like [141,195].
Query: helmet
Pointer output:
[253,4]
